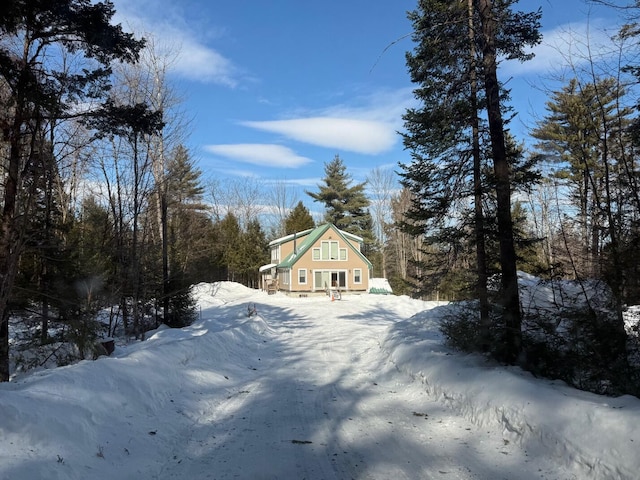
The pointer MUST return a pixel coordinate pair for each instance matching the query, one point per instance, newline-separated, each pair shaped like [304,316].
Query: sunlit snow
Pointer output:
[308,388]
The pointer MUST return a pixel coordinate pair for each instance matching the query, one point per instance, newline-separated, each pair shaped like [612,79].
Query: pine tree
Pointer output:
[457,52]
[346,205]
[299,219]
[571,136]
[587,134]
[253,253]
[188,227]
[507,33]
[228,235]
[40,94]
[45,256]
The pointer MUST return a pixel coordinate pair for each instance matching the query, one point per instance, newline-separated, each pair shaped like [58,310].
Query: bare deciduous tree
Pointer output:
[382,184]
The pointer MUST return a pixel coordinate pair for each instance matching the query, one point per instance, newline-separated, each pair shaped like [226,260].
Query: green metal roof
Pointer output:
[309,239]
[287,238]
[379,291]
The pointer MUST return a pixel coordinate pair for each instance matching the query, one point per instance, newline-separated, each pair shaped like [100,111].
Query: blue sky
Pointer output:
[275,89]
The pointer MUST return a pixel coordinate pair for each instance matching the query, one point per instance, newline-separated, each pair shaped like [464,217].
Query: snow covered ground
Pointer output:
[360,388]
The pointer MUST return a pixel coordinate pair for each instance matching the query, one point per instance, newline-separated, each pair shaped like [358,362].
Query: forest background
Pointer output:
[104,206]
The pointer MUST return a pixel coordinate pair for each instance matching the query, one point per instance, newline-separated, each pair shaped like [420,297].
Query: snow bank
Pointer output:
[126,416]
[597,436]
[62,420]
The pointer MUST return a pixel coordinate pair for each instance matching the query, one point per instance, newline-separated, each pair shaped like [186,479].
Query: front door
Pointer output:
[325,279]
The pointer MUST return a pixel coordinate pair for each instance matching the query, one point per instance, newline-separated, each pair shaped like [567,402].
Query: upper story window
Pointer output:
[275,254]
[329,250]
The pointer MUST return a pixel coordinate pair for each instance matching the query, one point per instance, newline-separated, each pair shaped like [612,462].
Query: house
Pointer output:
[317,261]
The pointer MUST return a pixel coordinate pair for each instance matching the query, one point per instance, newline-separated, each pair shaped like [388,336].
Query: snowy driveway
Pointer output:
[317,400]
[302,390]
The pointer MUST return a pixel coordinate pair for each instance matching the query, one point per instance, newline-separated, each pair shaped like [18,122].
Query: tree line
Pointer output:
[106,219]
[104,207]
[485,207]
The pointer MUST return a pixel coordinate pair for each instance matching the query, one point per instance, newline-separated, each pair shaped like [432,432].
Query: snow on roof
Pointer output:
[380,286]
[290,237]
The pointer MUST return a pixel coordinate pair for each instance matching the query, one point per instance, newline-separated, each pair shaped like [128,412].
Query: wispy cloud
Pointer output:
[194,59]
[568,46]
[201,63]
[266,155]
[361,136]
[383,105]
[367,125]
[304,182]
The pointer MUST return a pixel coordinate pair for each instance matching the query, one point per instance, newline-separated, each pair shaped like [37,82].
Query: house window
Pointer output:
[324,246]
[275,255]
[325,279]
[329,250]
[357,275]
[333,246]
[285,276]
[302,276]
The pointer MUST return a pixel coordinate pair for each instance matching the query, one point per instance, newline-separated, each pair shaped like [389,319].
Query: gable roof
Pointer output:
[287,238]
[309,237]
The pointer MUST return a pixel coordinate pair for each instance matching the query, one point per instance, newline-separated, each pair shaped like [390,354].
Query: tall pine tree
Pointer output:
[458,44]
[40,94]
[346,205]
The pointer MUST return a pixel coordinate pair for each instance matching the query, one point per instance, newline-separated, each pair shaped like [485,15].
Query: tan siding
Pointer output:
[287,248]
[355,244]
[354,261]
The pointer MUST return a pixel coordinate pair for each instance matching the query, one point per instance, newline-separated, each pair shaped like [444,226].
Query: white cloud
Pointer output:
[355,135]
[304,182]
[368,124]
[201,63]
[195,60]
[567,46]
[266,155]
[386,106]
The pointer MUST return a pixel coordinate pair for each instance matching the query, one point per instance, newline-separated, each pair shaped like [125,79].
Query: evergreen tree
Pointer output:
[587,133]
[188,222]
[184,180]
[46,255]
[229,234]
[188,228]
[40,93]
[507,33]
[458,44]
[298,220]
[572,137]
[346,205]
[92,237]
[253,253]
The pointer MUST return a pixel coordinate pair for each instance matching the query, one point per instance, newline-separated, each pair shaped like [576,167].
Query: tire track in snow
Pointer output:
[323,403]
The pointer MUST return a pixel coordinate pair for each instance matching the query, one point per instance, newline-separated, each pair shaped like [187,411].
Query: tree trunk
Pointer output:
[618,350]
[509,279]
[166,285]
[481,255]
[9,239]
